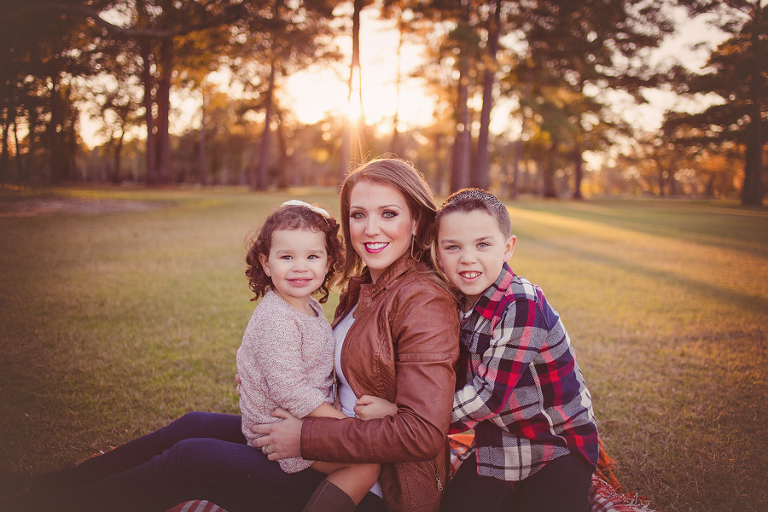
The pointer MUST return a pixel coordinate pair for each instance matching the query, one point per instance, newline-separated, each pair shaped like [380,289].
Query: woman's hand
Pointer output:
[370,407]
[282,439]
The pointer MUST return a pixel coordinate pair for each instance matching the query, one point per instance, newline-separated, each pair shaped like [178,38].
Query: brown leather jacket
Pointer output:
[402,347]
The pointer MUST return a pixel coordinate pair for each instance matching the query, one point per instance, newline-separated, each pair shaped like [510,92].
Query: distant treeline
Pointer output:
[557,62]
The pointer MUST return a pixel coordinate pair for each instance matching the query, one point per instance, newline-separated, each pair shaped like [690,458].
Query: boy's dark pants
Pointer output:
[560,486]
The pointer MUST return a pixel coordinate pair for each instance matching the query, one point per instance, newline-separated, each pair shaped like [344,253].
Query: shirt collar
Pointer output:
[492,297]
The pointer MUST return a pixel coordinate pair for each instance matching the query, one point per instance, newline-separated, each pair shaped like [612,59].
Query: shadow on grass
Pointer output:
[752,303]
[705,223]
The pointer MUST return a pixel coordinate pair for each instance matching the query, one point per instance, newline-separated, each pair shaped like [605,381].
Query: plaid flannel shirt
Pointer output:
[522,390]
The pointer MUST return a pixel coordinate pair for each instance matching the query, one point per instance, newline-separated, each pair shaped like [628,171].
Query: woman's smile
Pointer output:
[381,226]
[375,247]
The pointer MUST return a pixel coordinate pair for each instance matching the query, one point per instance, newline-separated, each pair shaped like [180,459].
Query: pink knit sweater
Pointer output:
[286,360]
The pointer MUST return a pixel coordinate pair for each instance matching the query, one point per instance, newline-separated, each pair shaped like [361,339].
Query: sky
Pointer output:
[315,91]
[378,60]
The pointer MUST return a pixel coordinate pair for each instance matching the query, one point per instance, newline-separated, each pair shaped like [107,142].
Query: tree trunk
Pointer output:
[118,160]
[753,189]
[149,116]
[519,143]
[346,138]
[69,136]
[262,170]
[709,189]
[5,160]
[504,171]
[163,111]
[439,165]
[517,156]
[53,131]
[461,147]
[202,175]
[394,145]
[578,170]
[549,172]
[285,180]
[20,170]
[479,177]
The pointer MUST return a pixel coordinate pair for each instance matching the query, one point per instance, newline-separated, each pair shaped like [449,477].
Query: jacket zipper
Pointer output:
[437,475]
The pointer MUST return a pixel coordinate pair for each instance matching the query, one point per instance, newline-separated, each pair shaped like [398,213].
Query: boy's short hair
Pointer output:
[470,199]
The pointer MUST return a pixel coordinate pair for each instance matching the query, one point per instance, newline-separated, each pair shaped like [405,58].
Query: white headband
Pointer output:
[317,210]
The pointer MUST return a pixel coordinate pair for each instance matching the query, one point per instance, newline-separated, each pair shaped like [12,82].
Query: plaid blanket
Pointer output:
[197,506]
[605,494]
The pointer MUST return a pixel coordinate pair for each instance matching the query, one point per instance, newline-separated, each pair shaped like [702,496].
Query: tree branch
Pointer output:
[229,15]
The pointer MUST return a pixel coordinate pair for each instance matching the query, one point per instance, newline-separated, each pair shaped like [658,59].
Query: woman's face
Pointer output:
[380,225]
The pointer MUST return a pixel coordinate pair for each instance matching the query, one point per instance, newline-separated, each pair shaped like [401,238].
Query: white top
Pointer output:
[346,396]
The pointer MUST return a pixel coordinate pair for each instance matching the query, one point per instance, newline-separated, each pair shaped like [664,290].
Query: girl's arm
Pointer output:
[326,410]
[274,349]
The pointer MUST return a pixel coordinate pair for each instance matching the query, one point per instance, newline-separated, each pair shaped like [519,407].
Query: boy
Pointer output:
[518,384]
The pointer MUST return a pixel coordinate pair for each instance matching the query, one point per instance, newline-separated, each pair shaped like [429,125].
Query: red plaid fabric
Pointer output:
[604,492]
[521,389]
[197,506]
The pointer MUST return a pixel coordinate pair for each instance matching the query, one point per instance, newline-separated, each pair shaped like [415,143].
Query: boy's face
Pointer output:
[471,251]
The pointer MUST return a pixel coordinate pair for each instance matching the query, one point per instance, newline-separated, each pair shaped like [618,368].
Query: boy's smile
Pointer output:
[471,250]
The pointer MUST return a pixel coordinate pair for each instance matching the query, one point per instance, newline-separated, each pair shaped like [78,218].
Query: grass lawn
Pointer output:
[115,320]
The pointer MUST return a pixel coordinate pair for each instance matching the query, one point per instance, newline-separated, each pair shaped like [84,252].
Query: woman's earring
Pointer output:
[413,242]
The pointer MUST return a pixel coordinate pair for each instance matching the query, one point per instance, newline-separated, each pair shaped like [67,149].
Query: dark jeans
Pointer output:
[199,456]
[560,486]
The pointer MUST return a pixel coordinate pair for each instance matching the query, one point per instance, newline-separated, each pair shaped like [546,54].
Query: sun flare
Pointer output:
[318,91]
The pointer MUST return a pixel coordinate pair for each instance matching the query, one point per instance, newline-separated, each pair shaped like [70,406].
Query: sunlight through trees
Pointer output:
[526,97]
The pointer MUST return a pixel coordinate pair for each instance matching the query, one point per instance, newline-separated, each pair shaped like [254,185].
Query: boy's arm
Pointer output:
[514,343]
[369,407]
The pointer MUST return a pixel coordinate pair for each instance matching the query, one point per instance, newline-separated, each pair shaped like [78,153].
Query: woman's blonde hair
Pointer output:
[403,177]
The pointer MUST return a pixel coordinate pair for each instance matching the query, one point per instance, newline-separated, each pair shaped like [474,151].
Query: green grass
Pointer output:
[113,324]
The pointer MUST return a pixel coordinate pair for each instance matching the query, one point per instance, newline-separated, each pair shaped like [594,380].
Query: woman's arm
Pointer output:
[287,433]
[425,329]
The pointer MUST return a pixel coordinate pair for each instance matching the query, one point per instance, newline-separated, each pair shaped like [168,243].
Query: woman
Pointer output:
[396,332]
[401,345]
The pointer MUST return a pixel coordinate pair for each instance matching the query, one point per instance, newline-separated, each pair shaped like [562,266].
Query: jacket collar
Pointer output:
[361,290]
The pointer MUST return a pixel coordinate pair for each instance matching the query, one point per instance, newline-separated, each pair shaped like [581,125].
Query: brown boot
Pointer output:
[329,498]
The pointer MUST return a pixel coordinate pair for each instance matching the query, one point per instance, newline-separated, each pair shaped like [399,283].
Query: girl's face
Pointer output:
[380,225]
[297,264]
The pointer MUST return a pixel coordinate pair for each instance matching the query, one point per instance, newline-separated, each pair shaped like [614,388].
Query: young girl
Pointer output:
[286,358]
[285,361]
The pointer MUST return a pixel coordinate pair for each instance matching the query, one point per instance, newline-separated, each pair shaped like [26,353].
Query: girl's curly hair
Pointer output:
[290,217]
